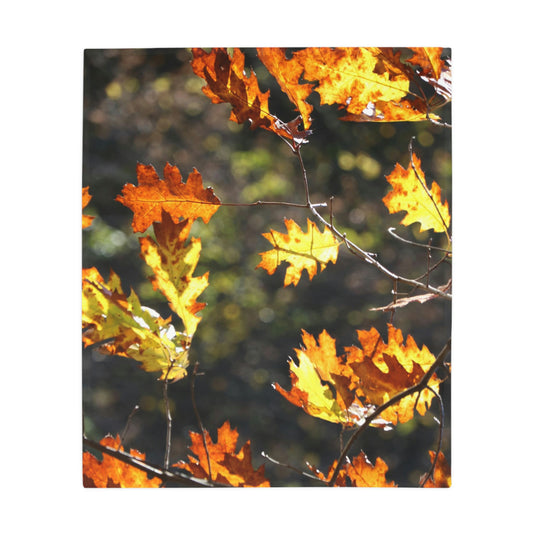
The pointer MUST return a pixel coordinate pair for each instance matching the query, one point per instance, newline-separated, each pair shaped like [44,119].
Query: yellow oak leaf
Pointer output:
[119,325]
[301,250]
[370,84]
[309,393]
[410,193]
[173,263]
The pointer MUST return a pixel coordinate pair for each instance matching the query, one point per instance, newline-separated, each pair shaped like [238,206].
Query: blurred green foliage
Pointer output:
[147,106]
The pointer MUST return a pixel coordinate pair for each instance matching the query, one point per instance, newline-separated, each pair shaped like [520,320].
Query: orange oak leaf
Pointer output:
[359,472]
[173,263]
[442,475]
[86,220]
[181,200]
[119,325]
[384,370]
[287,73]
[112,472]
[370,84]
[301,250]
[428,60]
[323,385]
[227,82]
[410,193]
[227,466]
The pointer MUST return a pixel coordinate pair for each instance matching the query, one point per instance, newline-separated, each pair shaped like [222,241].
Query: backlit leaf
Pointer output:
[226,464]
[442,475]
[287,73]
[181,200]
[173,264]
[111,472]
[370,84]
[359,472]
[323,385]
[384,370]
[119,325]
[227,82]
[308,250]
[410,193]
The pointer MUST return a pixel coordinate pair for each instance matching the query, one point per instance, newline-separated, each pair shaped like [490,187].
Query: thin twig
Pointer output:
[260,203]
[439,443]
[369,258]
[125,431]
[395,399]
[421,245]
[290,467]
[168,440]
[198,419]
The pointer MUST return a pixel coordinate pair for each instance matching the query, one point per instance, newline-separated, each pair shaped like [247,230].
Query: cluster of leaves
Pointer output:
[381,383]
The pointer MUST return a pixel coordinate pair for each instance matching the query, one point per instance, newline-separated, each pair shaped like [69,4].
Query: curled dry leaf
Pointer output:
[420,298]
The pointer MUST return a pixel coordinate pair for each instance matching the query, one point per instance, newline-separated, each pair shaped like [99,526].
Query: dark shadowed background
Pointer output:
[147,106]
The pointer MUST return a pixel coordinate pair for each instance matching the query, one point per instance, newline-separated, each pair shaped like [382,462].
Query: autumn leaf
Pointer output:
[323,384]
[86,220]
[347,388]
[287,73]
[301,250]
[434,70]
[119,325]
[173,263]
[227,82]
[384,370]
[442,476]
[181,200]
[227,466]
[370,84]
[111,472]
[410,193]
[359,472]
